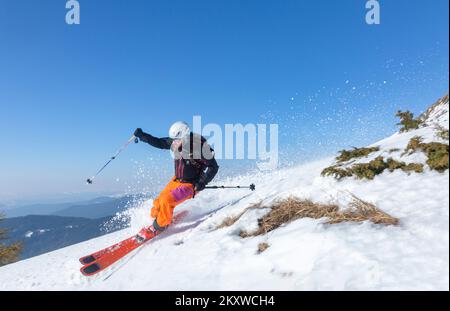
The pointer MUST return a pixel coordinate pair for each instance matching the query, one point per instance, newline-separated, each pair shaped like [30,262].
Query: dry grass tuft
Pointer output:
[262,247]
[361,210]
[231,220]
[288,210]
[291,209]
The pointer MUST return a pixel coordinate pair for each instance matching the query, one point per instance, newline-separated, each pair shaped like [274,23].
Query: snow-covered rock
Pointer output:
[303,255]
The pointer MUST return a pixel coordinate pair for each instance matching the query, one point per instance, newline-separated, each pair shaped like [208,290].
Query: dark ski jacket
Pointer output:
[194,158]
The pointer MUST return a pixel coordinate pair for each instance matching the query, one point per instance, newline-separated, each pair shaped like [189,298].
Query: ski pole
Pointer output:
[133,138]
[252,187]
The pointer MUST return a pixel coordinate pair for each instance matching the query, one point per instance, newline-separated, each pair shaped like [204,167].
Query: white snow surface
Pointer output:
[303,255]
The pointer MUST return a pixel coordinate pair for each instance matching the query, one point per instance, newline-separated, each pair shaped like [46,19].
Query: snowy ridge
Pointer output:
[437,116]
[437,113]
[303,255]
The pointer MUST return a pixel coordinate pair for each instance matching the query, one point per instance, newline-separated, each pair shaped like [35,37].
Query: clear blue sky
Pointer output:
[70,95]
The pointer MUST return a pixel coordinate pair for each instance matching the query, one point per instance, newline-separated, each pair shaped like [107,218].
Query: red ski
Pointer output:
[104,258]
[93,257]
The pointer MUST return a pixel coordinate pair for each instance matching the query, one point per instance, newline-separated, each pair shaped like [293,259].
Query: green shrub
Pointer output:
[415,167]
[442,132]
[414,144]
[336,172]
[346,155]
[371,169]
[8,253]
[437,156]
[393,165]
[407,121]
[437,153]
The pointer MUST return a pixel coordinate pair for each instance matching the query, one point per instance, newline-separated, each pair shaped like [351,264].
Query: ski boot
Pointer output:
[149,232]
[146,234]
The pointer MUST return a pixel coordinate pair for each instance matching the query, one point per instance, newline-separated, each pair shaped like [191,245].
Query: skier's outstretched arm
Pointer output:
[160,143]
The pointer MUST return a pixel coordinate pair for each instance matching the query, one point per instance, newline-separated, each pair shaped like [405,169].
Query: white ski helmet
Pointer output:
[178,130]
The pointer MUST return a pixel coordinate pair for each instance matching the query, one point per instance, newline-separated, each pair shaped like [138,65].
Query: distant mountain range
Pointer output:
[95,208]
[43,228]
[40,234]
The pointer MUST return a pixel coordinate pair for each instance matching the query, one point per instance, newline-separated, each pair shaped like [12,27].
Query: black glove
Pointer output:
[199,186]
[138,133]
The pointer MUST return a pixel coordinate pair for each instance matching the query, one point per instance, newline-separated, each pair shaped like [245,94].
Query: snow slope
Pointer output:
[303,255]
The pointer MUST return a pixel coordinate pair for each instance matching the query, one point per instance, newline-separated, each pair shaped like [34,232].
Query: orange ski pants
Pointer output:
[175,193]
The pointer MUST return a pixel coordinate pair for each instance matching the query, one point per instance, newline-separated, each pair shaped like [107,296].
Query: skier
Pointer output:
[195,167]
